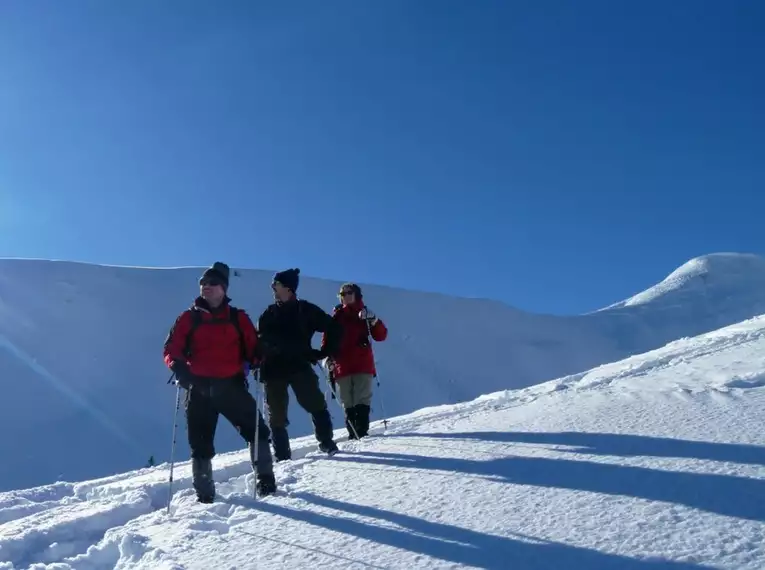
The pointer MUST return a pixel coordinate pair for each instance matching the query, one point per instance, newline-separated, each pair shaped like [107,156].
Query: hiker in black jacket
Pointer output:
[286,329]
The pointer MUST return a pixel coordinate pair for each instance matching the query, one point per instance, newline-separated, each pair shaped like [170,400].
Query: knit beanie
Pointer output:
[290,278]
[219,271]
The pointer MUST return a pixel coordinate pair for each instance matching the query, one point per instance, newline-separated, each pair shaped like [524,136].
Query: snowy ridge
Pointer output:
[721,273]
[81,346]
[652,462]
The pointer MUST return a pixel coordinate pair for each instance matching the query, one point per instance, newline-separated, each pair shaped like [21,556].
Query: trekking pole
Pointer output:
[379,388]
[172,448]
[326,377]
[256,443]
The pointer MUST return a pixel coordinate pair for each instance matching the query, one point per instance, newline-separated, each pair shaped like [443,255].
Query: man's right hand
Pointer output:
[183,374]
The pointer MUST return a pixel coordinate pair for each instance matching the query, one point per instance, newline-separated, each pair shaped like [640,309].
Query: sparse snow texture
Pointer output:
[80,352]
[652,463]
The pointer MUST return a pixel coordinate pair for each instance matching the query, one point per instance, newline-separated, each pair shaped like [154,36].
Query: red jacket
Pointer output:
[215,348]
[355,355]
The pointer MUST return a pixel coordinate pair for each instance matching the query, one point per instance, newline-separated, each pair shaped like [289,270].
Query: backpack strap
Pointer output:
[234,316]
[196,320]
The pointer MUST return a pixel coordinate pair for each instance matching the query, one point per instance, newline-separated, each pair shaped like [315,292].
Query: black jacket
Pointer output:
[285,333]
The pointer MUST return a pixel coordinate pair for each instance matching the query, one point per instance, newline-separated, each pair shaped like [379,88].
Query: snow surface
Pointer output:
[653,462]
[80,351]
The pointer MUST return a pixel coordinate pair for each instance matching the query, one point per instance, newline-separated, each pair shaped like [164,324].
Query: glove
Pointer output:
[183,375]
[367,315]
[314,356]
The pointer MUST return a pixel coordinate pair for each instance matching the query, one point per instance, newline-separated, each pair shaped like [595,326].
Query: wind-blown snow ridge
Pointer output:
[652,462]
[81,346]
[717,272]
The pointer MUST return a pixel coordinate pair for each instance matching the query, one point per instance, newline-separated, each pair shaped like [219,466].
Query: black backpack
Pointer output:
[196,320]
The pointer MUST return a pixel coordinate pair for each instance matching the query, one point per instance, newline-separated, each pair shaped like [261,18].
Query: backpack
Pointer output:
[196,320]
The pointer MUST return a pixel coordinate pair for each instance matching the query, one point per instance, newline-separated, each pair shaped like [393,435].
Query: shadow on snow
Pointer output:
[625,445]
[457,545]
[727,495]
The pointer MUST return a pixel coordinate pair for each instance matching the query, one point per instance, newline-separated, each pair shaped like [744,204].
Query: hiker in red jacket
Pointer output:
[208,348]
[353,367]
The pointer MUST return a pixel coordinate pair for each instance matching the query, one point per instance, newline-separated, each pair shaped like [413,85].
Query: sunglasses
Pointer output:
[346,293]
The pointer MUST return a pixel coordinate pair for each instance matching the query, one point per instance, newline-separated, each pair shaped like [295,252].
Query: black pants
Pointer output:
[210,397]
[305,385]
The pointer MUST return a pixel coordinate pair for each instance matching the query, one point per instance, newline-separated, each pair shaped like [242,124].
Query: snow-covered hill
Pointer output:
[654,462]
[80,351]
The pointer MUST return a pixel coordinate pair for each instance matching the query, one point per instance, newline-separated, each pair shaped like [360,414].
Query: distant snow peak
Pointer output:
[726,273]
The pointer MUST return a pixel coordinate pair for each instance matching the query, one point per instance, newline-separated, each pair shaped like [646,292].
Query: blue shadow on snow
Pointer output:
[625,445]
[728,495]
[457,545]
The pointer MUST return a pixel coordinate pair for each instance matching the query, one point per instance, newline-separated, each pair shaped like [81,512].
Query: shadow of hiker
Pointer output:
[727,495]
[457,545]
[625,445]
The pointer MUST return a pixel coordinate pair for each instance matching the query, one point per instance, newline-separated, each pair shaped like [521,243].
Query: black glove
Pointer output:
[314,356]
[182,374]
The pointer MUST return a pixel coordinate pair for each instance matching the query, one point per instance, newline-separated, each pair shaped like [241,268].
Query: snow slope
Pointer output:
[653,462]
[80,351]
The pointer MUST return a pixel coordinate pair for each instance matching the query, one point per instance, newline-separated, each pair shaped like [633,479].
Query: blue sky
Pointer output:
[557,155]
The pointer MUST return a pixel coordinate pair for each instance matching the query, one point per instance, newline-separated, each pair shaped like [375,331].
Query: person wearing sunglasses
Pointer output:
[207,348]
[353,369]
[286,328]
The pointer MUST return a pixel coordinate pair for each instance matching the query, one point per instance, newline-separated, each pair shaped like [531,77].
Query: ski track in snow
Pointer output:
[652,462]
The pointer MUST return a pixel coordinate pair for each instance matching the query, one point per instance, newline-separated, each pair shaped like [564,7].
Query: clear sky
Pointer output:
[558,155]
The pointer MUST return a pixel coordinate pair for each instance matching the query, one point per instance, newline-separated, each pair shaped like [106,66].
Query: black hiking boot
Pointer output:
[265,486]
[362,420]
[202,480]
[351,422]
[328,447]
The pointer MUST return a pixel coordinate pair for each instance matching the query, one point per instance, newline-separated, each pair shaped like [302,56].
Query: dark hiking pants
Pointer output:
[305,385]
[209,398]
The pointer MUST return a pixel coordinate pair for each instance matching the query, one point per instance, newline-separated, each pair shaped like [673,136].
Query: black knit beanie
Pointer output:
[219,271]
[290,278]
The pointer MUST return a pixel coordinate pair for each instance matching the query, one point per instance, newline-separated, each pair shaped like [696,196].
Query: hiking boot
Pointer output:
[350,422]
[202,479]
[265,486]
[328,447]
[362,420]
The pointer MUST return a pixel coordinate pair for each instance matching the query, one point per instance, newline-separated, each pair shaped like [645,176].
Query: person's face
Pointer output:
[347,296]
[212,291]
[281,293]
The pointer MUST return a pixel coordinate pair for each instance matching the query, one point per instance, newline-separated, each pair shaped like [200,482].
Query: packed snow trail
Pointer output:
[653,462]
